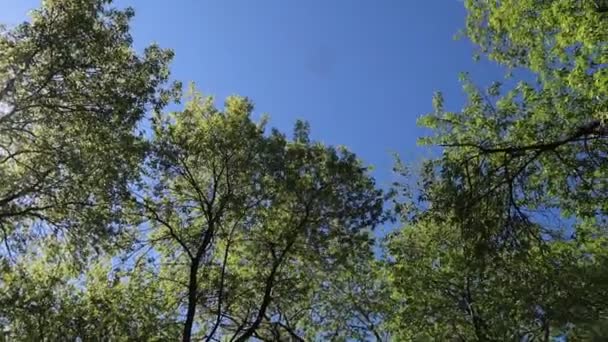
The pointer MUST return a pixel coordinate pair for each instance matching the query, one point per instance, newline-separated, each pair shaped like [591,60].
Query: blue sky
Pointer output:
[360,71]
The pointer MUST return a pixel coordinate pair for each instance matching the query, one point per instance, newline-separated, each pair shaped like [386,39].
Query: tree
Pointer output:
[72,91]
[503,241]
[45,297]
[545,292]
[563,41]
[542,144]
[246,222]
[460,277]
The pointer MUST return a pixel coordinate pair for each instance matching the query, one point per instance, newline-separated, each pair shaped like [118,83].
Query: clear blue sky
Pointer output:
[360,71]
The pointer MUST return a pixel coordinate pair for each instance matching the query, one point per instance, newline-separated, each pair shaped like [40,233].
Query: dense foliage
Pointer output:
[72,91]
[507,240]
[209,226]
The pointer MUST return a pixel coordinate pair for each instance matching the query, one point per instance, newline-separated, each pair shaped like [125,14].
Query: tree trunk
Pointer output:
[192,299]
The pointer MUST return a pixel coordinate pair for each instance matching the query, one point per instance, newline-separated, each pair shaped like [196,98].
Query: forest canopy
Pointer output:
[131,210]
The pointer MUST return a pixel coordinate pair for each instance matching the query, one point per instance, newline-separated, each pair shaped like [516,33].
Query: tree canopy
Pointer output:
[207,225]
[72,90]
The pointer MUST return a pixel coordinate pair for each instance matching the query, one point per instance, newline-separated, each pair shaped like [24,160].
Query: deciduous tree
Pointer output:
[72,92]
[249,221]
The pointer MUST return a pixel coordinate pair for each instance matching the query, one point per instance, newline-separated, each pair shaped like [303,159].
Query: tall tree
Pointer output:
[72,91]
[505,243]
[243,220]
[544,144]
[460,277]
[546,141]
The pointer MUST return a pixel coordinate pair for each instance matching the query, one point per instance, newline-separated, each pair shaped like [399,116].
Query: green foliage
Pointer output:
[72,91]
[562,40]
[507,238]
[251,224]
[44,299]
[456,278]
[210,227]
